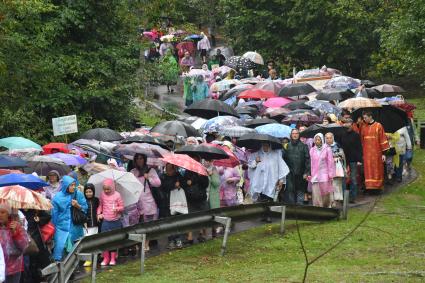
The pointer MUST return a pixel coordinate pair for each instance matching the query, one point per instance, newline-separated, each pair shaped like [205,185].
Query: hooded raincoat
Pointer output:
[62,219]
[322,167]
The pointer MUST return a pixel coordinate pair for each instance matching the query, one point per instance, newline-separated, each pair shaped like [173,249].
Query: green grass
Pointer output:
[390,246]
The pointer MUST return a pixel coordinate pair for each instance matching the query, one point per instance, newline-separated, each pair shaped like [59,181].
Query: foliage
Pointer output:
[66,57]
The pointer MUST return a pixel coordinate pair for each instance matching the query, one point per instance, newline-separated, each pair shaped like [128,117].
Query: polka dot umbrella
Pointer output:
[239,62]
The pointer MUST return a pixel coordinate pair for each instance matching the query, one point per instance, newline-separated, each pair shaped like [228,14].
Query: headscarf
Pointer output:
[323,141]
[333,139]
[55,172]
[110,183]
[89,186]
[5,206]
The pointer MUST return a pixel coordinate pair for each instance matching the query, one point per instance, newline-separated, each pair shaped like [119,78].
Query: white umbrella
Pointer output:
[254,57]
[126,184]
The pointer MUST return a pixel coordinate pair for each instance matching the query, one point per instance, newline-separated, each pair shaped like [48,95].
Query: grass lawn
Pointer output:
[388,247]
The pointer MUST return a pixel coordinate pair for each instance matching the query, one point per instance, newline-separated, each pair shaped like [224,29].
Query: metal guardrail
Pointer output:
[89,247]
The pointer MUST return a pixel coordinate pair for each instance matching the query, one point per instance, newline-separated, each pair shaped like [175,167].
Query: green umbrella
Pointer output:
[12,143]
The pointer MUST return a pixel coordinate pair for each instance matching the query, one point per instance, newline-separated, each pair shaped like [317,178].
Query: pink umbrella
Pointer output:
[277,102]
[186,162]
[232,161]
[256,94]
[268,85]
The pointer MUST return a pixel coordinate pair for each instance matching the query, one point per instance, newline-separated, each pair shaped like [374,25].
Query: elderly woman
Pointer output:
[54,184]
[339,160]
[322,172]
[13,241]
[66,231]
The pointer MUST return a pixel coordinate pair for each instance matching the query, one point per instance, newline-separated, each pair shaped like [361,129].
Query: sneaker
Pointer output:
[87,263]
[179,244]
[201,239]
[171,245]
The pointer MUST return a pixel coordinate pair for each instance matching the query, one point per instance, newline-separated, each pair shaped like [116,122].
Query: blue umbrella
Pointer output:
[25,180]
[12,143]
[11,162]
[275,130]
[193,36]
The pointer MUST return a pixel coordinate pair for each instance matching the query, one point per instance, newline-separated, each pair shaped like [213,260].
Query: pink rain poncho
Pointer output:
[322,167]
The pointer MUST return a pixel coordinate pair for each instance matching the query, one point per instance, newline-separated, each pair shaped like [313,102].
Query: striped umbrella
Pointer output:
[19,197]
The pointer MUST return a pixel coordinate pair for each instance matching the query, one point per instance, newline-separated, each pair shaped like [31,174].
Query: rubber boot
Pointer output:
[105,258]
[113,258]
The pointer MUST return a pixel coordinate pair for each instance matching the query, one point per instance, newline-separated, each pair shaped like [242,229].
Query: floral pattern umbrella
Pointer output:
[342,82]
[219,123]
[19,197]
[324,106]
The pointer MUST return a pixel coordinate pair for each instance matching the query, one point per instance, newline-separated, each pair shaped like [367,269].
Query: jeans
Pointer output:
[399,168]
[353,180]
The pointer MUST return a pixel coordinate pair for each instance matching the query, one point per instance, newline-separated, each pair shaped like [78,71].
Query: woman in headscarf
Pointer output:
[148,177]
[13,241]
[339,160]
[67,232]
[322,172]
[169,69]
[54,184]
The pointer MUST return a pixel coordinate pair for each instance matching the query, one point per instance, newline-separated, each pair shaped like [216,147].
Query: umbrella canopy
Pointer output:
[25,180]
[367,83]
[125,183]
[224,85]
[94,168]
[298,104]
[387,88]
[335,94]
[194,121]
[239,62]
[235,91]
[359,102]
[145,139]
[11,162]
[324,106]
[336,129]
[231,160]
[258,122]
[204,151]
[219,123]
[69,159]
[150,150]
[13,143]
[19,197]
[9,171]
[186,162]
[306,118]
[369,93]
[276,102]
[251,111]
[43,164]
[254,141]
[94,145]
[269,85]
[210,108]
[296,90]
[193,37]
[236,131]
[256,94]
[175,128]
[276,113]
[342,82]
[254,57]
[55,146]
[391,118]
[275,130]
[101,134]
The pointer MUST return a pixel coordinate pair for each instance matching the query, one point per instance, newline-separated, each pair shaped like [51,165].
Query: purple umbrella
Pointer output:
[69,159]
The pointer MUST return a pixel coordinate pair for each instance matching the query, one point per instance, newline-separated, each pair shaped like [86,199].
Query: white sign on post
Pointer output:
[64,125]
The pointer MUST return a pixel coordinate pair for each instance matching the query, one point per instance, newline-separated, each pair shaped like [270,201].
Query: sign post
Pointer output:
[64,125]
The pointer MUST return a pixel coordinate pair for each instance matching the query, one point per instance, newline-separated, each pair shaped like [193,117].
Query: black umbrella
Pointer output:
[247,110]
[232,92]
[258,122]
[298,104]
[335,129]
[239,62]
[335,94]
[145,139]
[254,141]
[391,118]
[11,162]
[203,151]
[367,83]
[210,108]
[303,111]
[369,93]
[175,128]
[296,90]
[101,134]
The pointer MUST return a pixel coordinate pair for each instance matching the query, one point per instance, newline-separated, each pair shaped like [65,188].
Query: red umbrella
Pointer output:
[9,171]
[186,162]
[257,94]
[232,161]
[55,147]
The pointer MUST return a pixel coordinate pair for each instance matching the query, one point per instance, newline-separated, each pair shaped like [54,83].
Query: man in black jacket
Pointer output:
[352,146]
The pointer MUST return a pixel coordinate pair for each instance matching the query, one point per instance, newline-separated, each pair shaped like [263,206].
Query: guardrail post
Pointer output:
[345,204]
[141,238]
[226,221]
[282,210]
[94,268]
[61,277]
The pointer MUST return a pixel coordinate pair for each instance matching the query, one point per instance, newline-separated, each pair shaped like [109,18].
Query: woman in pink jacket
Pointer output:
[229,178]
[322,172]
[149,178]
[111,207]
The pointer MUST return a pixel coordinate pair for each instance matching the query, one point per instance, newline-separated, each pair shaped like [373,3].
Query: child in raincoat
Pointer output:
[111,207]
[66,232]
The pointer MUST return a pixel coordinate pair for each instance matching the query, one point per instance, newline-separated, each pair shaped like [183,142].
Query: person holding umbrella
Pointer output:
[13,240]
[297,157]
[267,172]
[67,233]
